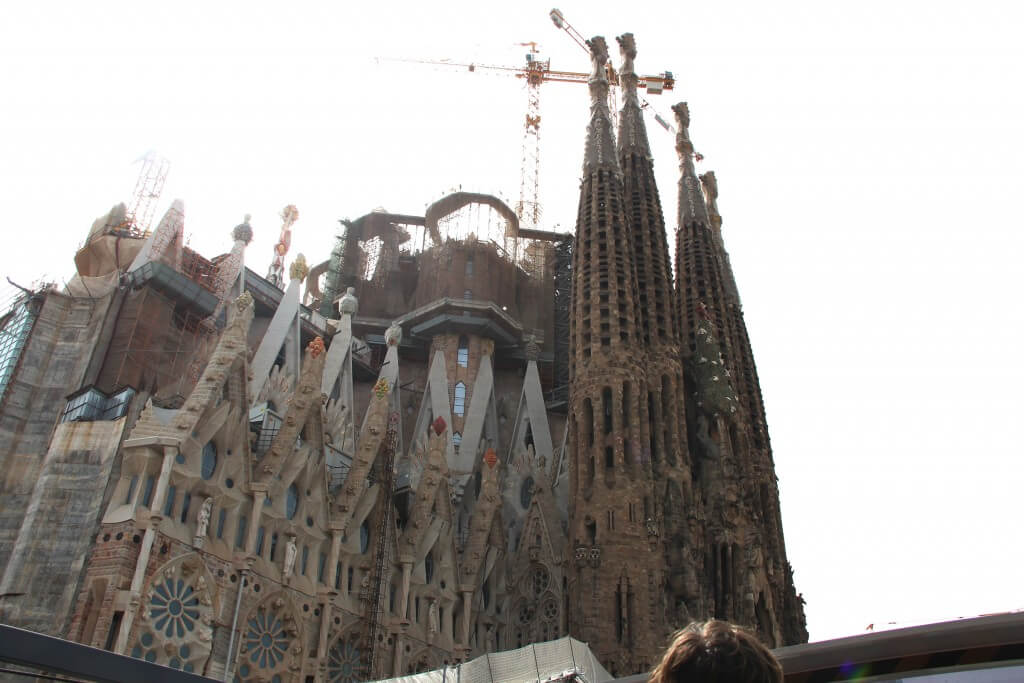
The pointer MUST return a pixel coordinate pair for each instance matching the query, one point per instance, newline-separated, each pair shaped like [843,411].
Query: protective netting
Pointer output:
[555,660]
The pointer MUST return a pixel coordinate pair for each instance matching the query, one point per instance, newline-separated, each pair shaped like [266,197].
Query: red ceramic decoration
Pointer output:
[439,426]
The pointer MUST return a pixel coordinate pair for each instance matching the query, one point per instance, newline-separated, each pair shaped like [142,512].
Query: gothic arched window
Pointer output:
[428,565]
[462,358]
[460,399]
[291,501]
[209,462]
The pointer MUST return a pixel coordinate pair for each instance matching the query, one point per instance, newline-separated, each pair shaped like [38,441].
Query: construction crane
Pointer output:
[152,176]
[652,87]
[536,72]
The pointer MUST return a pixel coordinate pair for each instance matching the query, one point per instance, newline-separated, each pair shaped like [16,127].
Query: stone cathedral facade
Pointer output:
[453,435]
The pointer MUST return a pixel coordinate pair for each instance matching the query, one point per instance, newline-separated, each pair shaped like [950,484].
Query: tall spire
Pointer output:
[600,149]
[643,209]
[632,133]
[666,447]
[691,203]
[698,270]
[725,413]
[710,185]
[610,475]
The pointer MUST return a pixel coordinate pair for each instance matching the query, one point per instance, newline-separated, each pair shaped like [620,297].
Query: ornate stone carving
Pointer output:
[393,335]
[349,304]
[243,231]
[298,270]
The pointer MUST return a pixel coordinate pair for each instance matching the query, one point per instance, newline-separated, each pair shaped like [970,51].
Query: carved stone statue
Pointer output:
[289,556]
[432,619]
[489,644]
[203,520]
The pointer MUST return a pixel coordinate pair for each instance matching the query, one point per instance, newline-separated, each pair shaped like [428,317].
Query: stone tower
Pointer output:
[614,586]
[746,577]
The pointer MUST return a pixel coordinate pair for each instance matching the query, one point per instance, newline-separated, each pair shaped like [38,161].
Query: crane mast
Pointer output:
[536,72]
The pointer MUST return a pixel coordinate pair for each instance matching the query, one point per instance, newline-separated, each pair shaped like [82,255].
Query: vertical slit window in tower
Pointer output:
[221,518]
[321,564]
[723,563]
[260,533]
[240,530]
[469,265]
[305,560]
[273,546]
[651,421]
[606,409]
[456,441]
[337,576]
[618,613]
[666,398]
[131,489]
[350,578]
[609,457]
[588,421]
[172,493]
[459,407]
[462,357]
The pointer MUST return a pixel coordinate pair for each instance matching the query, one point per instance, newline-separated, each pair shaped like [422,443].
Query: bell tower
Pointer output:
[614,583]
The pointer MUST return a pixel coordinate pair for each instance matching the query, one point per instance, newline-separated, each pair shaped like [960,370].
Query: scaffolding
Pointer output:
[372,597]
[562,295]
[152,176]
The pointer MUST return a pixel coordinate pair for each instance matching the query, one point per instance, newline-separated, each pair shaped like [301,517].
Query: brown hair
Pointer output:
[716,652]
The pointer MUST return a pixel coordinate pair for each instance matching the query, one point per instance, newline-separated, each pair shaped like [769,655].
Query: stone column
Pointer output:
[396,662]
[325,612]
[403,610]
[259,494]
[467,612]
[132,609]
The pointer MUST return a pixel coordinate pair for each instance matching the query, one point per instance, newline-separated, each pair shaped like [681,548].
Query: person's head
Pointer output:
[716,652]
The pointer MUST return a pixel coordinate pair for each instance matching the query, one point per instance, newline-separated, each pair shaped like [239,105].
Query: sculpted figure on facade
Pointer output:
[290,552]
[203,520]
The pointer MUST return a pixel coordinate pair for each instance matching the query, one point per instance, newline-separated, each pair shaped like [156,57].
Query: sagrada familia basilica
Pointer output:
[454,435]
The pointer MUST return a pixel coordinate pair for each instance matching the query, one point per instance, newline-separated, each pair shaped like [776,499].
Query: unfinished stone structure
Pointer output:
[455,435]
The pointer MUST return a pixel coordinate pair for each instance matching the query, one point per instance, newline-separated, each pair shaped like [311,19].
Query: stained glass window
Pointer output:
[364,536]
[172,493]
[460,399]
[344,663]
[240,531]
[291,503]
[265,640]
[209,464]
[147,494]
[174,608]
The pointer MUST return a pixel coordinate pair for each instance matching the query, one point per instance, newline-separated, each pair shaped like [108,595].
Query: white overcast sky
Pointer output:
[869,156]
